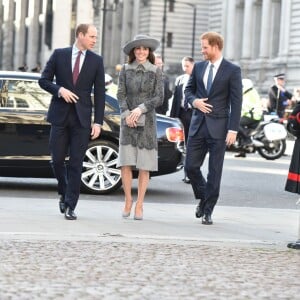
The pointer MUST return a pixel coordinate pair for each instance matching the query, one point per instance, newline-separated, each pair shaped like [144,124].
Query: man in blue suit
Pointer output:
[76,71]
[214,91]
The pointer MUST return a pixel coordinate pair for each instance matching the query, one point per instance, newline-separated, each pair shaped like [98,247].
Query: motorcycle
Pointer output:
[268,139]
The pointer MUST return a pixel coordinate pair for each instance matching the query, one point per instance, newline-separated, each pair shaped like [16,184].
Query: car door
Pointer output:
[24,132]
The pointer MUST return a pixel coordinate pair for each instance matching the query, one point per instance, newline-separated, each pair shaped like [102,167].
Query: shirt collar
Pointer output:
[75,50]
[216,63]
[144,65]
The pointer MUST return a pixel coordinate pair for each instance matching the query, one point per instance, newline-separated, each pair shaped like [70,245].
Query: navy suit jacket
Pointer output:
[59,68]
[177,98]
[225,96]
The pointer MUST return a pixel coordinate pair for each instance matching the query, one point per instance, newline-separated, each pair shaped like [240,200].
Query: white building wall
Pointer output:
[262,36]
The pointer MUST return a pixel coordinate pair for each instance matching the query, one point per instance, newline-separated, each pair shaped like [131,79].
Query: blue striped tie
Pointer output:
[209,78]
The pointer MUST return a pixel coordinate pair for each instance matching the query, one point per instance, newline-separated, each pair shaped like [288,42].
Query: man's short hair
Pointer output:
[214,39]
[84,27]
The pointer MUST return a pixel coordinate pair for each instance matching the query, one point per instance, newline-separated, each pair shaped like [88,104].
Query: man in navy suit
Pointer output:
[76,71]
[214,91]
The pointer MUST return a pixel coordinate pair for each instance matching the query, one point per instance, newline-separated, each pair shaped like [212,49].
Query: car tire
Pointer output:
[100,174]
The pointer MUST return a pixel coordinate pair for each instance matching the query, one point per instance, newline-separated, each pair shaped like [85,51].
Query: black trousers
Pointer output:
[70,140]
[185,117]
[198,146]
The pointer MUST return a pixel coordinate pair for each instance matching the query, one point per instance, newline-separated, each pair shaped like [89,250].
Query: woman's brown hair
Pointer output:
[131,56]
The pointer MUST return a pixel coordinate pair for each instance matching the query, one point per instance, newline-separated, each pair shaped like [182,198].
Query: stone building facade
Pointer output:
[262,36]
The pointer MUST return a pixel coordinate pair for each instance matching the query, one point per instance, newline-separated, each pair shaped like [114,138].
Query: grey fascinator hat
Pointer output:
[141,40]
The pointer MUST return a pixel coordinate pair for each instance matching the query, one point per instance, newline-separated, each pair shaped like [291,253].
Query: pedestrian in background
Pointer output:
[180,107]
[140,91]
[162,109]
[279,97]
[293,179]
[214,90]
[76,71]
[252,113]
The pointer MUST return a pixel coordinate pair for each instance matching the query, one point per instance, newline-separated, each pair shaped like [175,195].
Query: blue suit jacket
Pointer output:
[91,74]
[225,96]
[177,98]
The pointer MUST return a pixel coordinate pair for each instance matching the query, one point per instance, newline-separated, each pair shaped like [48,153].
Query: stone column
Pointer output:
[7,36]
[84,13]
[1,35]
[247,30]
[265,29]
[19,56]
[135,17]
[61,33]
[230,29]
[284,28]
[127,32]
[32,23]
[115,43]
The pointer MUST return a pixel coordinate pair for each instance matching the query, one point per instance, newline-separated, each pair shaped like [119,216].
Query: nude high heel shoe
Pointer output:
[138,217]
[126,214]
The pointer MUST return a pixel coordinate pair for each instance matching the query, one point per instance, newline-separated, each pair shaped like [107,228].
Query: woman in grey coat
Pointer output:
[140,91]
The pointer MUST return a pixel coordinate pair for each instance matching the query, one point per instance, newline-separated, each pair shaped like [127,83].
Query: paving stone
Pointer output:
[118,269]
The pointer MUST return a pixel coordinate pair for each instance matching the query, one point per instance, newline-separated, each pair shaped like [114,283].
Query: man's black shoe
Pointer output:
[62,205]
[199,210]
[206,220]
[69,214]
[186,180]
[240,154]
[294,245]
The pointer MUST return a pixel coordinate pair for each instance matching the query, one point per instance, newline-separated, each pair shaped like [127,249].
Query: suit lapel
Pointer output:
[84,65]
[219,73]
[69,59]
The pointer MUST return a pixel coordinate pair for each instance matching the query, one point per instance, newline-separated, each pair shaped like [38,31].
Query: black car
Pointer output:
[24,134]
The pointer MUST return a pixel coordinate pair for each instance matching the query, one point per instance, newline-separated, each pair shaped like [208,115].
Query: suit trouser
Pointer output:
[197,147]
[185,117]
[71,140]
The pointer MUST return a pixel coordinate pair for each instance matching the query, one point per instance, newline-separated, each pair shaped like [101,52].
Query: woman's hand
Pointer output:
[132,119]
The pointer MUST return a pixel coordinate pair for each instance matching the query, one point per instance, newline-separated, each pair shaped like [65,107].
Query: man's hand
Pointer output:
[68,95]
[96,130]
[231,138]
[202,105]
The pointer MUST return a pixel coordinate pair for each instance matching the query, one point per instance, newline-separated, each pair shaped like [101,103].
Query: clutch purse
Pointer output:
[141,120]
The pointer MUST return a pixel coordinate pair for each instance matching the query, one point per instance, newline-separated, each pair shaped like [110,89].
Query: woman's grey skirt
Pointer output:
[142,159]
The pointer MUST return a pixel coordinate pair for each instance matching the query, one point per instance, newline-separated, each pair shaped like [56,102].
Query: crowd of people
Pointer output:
[210,98]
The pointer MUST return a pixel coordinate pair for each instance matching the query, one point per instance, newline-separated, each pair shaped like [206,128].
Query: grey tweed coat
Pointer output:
[140,85]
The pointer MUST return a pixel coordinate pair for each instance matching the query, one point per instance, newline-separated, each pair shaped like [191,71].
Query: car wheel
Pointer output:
[100,174]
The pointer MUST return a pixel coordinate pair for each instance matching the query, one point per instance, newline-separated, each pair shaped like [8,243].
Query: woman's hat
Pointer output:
[141,40]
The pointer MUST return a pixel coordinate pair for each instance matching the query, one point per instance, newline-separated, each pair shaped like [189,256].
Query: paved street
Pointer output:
[168,255]
[146,269]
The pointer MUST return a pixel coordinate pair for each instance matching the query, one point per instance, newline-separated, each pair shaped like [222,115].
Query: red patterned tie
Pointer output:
[76,68]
